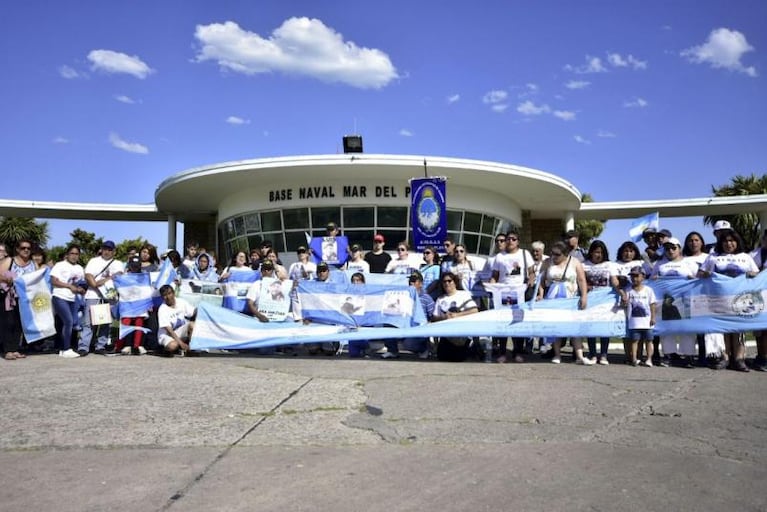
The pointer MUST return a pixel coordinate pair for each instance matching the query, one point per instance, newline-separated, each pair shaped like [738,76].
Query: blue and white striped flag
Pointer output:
[135,293]
[36,304]
[125,330]
[651,220]
[236,289]
[167,275]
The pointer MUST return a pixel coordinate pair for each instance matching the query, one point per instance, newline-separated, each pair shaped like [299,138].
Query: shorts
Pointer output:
[640,334]
[181,332]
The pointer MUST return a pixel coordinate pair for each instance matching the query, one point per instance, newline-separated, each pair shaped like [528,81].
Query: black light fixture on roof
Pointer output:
[352,144]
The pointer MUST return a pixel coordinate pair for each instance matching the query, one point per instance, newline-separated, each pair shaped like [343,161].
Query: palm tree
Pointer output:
[13,229]
[746,224]
[588,229]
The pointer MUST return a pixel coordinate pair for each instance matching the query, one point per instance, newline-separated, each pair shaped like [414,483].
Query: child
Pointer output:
[640,316]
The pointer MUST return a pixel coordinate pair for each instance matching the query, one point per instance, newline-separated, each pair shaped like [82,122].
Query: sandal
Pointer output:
[9,356]
[19,355]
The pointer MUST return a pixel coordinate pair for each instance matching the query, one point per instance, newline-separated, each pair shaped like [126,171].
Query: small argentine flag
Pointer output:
[638,226]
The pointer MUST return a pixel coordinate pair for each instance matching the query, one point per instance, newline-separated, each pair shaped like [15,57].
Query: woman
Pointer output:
[149,260]
[462,266]
[303,268]
[356,263]
[279,270]
[401,264]
[358,348]
[675,266]
[11,268]
[628,258]
[182,271]
[693,251]
[600,274]
[430,270]
[39,256]
[203,270]
[67,278]
[453,302]
[760,258]
[730,259]
[563,277]
[239,263]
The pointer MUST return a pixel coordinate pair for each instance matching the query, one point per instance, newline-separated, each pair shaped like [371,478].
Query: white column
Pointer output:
[569,221]
[171,231]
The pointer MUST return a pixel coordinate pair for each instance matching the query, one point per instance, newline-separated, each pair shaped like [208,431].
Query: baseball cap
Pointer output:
[415,276]
[672,241]
[570,233]
[301,248]
[637,270]
[322,266]
[331,226]
[108,245]
[649,231]
[378,238]
[665,232]
[721,224]
[356,247]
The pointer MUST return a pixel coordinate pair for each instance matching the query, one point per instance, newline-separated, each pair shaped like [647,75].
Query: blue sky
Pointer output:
[627,100]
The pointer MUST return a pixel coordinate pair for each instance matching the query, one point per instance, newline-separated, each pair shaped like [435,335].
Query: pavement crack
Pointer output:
[178,495]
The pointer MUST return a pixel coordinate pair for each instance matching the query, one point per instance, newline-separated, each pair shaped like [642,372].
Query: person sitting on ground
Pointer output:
[176,321]
[452,303]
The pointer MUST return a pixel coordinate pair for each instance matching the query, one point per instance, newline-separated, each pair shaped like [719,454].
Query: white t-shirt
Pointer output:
[398,266]
[598,274]
[697,261]
[173,317]
[680,268]
[511,267]
[100,268]
[358,266]
[639,304]
[730,264]
[67,273]
[461,299]
[623,269]
[297,270]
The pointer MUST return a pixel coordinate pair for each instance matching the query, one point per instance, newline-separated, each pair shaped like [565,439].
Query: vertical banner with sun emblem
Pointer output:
[428,213]
[35,304]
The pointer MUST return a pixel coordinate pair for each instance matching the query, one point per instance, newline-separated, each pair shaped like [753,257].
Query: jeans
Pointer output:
[67,313]
[604,346]
[101,331]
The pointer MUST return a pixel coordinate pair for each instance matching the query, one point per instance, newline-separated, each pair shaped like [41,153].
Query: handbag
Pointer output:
[101,314]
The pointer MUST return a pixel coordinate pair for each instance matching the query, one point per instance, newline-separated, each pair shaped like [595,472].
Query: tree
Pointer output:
[89,244]
[588,230]
[123,247]
[13,229]
[746,224]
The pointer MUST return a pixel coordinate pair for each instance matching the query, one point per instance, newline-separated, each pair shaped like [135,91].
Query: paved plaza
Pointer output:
[248,433]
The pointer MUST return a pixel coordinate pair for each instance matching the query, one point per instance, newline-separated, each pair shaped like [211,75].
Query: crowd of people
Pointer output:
[445,282]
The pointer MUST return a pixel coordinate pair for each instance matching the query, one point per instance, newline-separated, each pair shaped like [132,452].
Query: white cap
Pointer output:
[721,224]
[674,241]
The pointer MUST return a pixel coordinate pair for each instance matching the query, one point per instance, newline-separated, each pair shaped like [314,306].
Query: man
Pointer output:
[650,238]
[332,229]
[98,275]
[377,258]
[513,267]
[192,250]
[255,259]
[500,244]
[417,345]
[328,347]
[267,270]
[571,238]
[175,320]
[447,260]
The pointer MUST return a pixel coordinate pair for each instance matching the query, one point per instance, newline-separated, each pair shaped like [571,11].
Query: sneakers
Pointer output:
[603,361]
[556,360]
[760,364]
[68,354]
[648,363]
[125,351]
[544,348]
[718,363]
[585,361]
[665,362]
[389,355]
[82,352]
[423,355]
[100,351]
[138,351]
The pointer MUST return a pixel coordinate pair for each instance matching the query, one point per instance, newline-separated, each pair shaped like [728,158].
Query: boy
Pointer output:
[640,317]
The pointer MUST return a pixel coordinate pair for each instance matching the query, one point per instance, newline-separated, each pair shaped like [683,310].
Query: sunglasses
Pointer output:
[460,250]
[428,252]
[512,239]
[301,251]
[323,270]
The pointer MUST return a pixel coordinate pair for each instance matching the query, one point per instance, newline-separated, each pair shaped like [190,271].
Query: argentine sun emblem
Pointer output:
[428,211]
[41,302]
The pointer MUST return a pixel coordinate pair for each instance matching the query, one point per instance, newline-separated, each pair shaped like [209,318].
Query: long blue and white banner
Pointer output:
[428,212]
[718,304]
[35,304]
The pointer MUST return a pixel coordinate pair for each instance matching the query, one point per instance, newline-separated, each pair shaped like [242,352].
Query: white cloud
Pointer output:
[68,72]
[618,61]
[406,133]
[495,96]
[581,140]
[116,62]
[564,115]
[723,49]
[592,65]
[605,134]
[60,140]
[577,84]
[529,108]
[636,103]
[453,98]
[237,120]
[300,46]
[499,107]
[130,147]
[125,99]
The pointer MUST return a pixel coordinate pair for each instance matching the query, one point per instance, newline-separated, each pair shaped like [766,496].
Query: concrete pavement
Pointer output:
[241,432]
